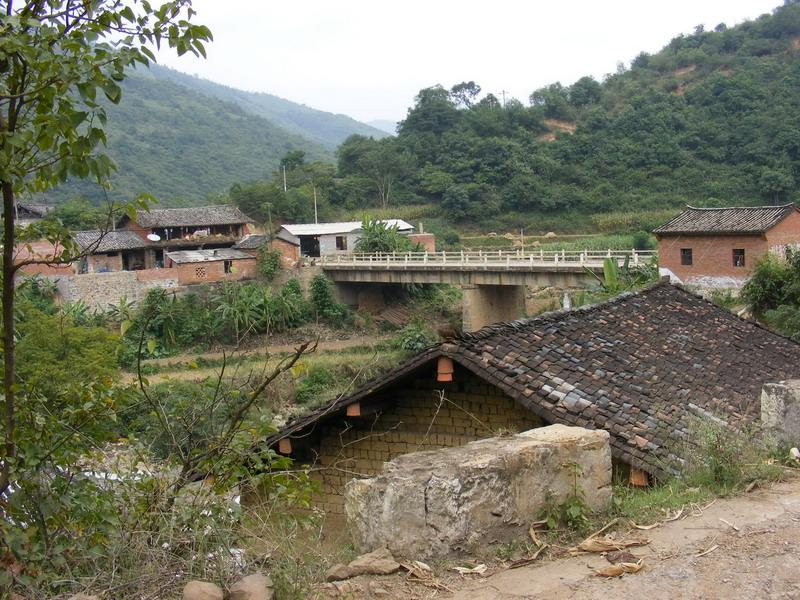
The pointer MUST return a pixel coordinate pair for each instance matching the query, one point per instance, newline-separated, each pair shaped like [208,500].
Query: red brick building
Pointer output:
[718,247]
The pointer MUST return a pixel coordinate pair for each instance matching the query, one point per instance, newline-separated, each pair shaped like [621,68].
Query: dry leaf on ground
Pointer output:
[620,568]
[477,570]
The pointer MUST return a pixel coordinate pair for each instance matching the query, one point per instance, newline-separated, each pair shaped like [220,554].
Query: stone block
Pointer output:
[439,503]
[780,411]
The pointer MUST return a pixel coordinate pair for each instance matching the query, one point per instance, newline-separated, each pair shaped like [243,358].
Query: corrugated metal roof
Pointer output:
[298,229]
[729,220]
[200,216]
[193,256]
[110,241]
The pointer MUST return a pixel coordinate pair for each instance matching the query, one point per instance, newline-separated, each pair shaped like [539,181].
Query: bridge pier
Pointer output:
[486,304]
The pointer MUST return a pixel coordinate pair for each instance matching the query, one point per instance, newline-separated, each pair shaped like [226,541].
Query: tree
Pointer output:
[293,159]
[465,93]
[384,163]
[55,57]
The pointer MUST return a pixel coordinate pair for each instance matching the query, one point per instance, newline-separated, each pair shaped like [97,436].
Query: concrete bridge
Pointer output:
[494,282]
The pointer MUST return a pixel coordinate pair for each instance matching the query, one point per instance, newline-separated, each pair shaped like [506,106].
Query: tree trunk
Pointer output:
[8,334]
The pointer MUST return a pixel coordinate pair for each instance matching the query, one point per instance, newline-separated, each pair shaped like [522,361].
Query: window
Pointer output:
[341,242]
[226,264]
[200,273]
[738,257]
[686,256]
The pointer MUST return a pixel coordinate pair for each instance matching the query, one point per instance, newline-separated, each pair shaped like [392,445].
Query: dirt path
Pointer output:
[756,554]
[760,560]
[362,340]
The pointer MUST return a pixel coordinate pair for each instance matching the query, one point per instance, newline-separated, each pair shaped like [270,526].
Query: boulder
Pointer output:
[338,572]
[378,562]
[444,502]
[780,411]
[253,587]
[202,590]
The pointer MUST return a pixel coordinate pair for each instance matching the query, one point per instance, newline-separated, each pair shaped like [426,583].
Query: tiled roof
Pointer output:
[194,256]
[110,241]
[641,366]
[200,216]
[732,220]
[342,227]
[251,242]
[39,210]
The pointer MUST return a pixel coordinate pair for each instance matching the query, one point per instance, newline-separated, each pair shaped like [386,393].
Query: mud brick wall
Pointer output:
[413,420]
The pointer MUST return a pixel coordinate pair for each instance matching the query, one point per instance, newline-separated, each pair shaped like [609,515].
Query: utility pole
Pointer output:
[284,178]
[522,239]
[315,203]
[504,92]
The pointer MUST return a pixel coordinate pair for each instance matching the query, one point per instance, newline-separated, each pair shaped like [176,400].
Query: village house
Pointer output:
[202,266]
[28,212]
[718,247]
[323,239]
[643,366]
[141,243]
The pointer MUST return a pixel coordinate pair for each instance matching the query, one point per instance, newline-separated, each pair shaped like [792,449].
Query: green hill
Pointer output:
[713,118]
[184,147]
[322,127]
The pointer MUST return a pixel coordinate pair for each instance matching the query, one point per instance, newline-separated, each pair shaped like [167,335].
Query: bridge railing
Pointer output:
[516,258]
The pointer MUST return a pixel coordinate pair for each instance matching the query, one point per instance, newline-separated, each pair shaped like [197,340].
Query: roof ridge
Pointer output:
[763,207]
[557,315]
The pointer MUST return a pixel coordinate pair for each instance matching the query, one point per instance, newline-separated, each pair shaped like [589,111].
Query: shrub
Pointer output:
[726,459]
[414,337]
[324,304]
[315,384]
[269,262]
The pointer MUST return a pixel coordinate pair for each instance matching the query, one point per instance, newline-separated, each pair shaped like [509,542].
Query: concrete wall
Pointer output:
[327,243]
[413,420]
[486,304]
[98,290]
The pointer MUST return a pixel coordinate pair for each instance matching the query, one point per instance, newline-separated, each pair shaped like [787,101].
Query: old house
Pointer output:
[643,366]
[320,239]
[718,247]
[29,212]
[140,244]
[202,266]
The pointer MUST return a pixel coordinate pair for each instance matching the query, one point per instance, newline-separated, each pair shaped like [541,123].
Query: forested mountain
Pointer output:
[713,118]
[327,129]
[184,147]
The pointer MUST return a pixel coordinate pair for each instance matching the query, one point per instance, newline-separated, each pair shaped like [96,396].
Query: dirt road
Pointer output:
[757,555]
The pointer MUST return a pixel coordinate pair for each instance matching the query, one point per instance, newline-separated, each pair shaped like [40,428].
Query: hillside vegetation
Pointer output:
[324,128]
[184,147]
[713,118]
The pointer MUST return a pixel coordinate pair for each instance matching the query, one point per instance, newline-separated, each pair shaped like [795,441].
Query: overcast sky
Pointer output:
[369,58]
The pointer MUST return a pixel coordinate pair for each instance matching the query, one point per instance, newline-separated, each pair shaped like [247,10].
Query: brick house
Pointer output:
[642,366]
[140,244]
[204,266]
[718,247]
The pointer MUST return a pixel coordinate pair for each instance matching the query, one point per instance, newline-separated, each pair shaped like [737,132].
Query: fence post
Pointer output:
[608,254]
[635,257]
[425,258]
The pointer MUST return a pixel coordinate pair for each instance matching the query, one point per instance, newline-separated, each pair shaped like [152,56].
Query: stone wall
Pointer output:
[434,504]
[414,419]
[98,290]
